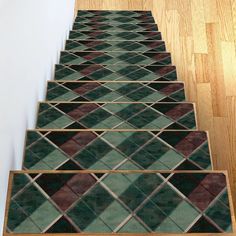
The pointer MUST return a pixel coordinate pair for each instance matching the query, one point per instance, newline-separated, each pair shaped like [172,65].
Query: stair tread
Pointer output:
[114,27]
[106,13]
[121,72]
[118,202]
[125,35]
[114,58]
[114,19]
[116,115]
[82,149]
[115,91]
[115,46]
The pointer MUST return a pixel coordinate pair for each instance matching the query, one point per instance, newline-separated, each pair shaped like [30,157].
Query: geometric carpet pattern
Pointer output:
[120,72]
[114,27]
[118,202]
[114,58]
[116,19]
[117,150]
[104,35]
[114,14]
[107,46]
[76,115]
[115,91]
[116,147]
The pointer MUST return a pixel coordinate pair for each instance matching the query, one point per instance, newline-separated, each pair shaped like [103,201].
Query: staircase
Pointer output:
[116,148]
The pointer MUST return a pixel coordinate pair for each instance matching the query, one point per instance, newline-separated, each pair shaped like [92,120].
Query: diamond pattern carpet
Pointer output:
[118,202]
[116,147]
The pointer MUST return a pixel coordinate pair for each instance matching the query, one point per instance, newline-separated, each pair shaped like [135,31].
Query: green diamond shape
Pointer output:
[220,214]
[186,219]
[112,158]
[110,97]
[19,182]
[98,199]
[55,158]
[148,182]
[42,148]
[97,226]
[45,215]
[118,183]
[110,122]
[114,108]
[128,165]
[40,166]
[61,122]
[30,199]
[114,214]
[171,159]
[133,226]
[115,138]
[167,199]
[151,215]
[168,226]
[27,226]
[82,215]
[13,221]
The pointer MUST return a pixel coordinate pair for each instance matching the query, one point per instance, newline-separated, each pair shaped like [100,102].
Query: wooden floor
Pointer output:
[201,35]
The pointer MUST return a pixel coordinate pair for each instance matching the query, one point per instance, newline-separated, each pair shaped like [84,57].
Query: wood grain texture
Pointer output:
[201,35]
[206,61]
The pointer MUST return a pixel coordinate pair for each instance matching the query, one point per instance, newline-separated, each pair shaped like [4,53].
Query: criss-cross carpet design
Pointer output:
[140,46]
[116,147]
[83,203]
[115,92]
[117,150]
[121,72]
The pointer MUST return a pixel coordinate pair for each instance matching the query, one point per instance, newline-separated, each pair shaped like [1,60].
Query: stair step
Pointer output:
[114,27]
[116,150]
[114,19]
[145,116]
[125,202]
[103,35]
[115,58]
[118,46]
[111,13]
[121,72]
[116,91]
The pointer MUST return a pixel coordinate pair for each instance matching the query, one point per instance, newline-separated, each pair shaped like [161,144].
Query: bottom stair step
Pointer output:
[118,202]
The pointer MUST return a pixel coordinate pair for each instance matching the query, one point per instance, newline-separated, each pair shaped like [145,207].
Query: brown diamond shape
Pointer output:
[64,198]
[70,147]
[80,183]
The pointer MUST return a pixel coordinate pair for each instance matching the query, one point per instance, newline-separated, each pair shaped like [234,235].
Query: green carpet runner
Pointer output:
[116,147]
